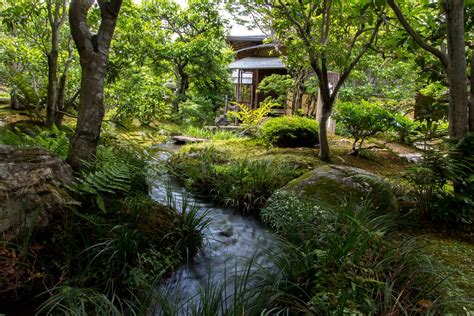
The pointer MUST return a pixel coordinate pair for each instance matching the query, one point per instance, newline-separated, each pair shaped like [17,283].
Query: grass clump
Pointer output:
[244,184]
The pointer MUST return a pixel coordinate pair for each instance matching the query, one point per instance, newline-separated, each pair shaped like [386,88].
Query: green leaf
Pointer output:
[100,203]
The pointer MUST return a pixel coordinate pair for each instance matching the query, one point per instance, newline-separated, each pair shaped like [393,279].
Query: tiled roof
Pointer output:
[258,63]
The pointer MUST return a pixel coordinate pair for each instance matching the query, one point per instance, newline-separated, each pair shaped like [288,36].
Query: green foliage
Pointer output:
[247,184]
[381,78]
[405,127]
[279,85]
[435,90]
[131,243]
[442,186]
[289,215]
[292,131]
[24,46]
[74,301]
[345,261]
[54,140]
[243,184]
[252,118]
[207,133]
[431,129]
[115,172]
[427,181]
[197,112]
[363,120]
[140,94]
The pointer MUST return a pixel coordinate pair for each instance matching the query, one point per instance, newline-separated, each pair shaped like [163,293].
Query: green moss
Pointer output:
[334,190]
[457,257]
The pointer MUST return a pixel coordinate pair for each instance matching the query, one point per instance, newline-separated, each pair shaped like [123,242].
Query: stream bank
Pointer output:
[234,246]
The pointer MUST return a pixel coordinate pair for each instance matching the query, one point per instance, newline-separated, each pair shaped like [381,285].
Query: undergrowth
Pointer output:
[98,256]
[348,262]
[244,184]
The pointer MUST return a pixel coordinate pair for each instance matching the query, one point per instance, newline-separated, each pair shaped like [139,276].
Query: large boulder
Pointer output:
[333,186]
[32,187]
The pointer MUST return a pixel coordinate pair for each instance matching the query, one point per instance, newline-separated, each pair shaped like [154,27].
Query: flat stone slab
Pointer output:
[411,157]
[182,140]
[225,127]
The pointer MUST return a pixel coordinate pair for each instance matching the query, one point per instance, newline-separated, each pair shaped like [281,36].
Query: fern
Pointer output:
[113,173]
[250,118]
[54,140]
[111,178]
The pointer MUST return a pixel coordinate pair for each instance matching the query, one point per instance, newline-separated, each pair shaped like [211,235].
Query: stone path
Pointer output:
[409,153]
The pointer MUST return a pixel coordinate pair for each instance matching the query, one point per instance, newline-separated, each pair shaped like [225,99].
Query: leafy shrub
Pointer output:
[289,215]
[426,187]
[363,120]
[292,131]
[431,129]
[197,111]
[442,186]
[252,118]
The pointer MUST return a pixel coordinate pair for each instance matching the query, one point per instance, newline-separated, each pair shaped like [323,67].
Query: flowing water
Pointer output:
[231,242]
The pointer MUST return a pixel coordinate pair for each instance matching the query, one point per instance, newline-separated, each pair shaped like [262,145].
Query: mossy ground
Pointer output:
[381,162]
[457,256]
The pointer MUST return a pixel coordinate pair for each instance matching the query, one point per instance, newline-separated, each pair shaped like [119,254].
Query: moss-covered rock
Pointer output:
[333,186]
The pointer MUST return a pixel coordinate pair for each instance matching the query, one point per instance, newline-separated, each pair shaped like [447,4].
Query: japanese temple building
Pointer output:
[255,60]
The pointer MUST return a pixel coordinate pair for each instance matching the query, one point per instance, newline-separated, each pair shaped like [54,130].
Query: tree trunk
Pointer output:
[91,111]
[52,82]
[471,98]
[58,117]
[181,89]
[323,137]
[61,99]
[93,51]
[458,111]
[15,103]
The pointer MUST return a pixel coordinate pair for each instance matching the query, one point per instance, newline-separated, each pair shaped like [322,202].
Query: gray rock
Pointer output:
[228,231]
[32,187]
[333,185]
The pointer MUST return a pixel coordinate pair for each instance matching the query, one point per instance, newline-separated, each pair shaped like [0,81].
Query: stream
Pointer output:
[232,244]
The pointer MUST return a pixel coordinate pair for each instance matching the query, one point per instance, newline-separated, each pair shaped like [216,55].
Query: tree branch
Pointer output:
[346,72]
[416,37]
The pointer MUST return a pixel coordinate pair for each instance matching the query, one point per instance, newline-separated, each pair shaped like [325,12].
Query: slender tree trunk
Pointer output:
[58,117]
[458,110]
[15,103]
[52,81]
[93,51]
[61,99]
[57,16]
[323,137]
[471,98]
